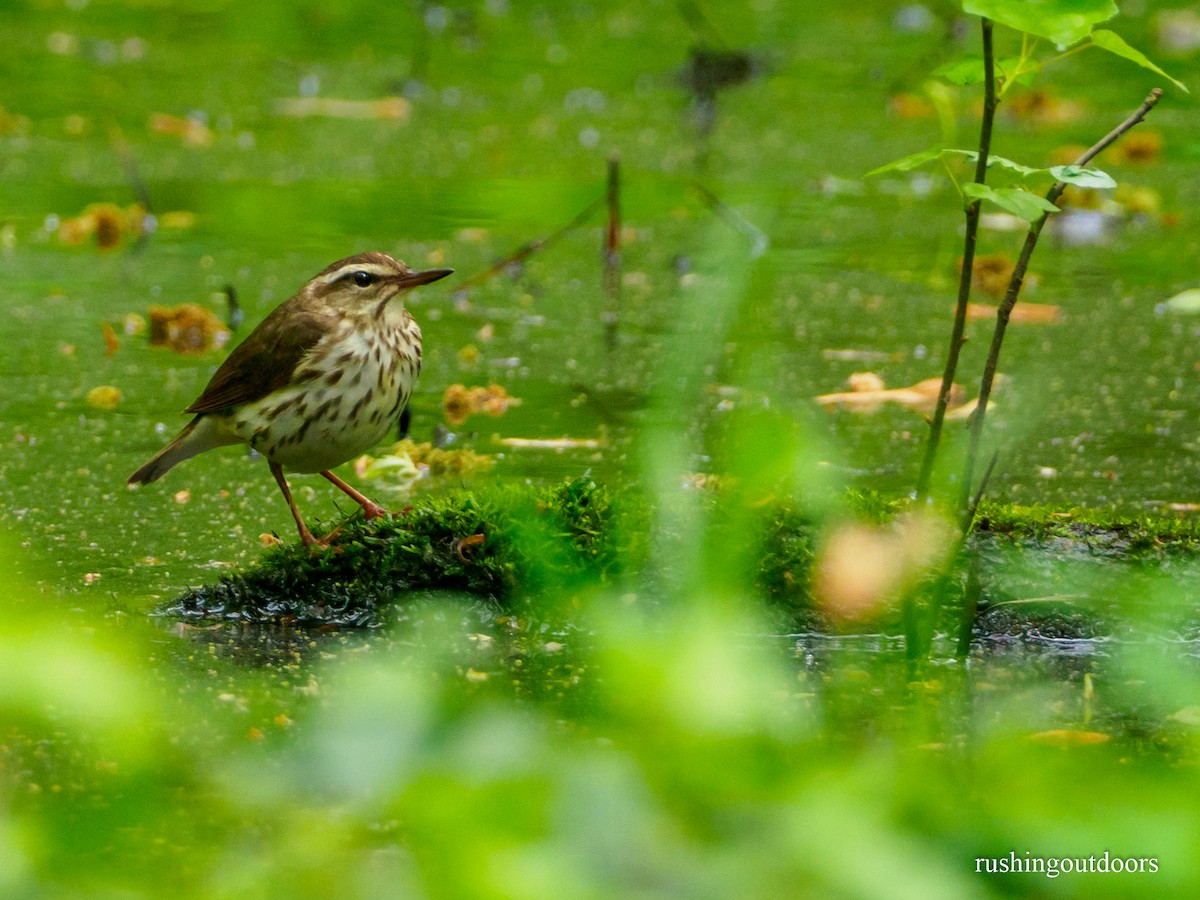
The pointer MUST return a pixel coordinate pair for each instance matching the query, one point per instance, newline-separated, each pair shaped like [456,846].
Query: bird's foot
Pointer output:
[374,511]
[320,545]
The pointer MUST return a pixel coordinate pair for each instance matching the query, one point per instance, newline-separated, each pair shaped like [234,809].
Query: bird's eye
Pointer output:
[364,279]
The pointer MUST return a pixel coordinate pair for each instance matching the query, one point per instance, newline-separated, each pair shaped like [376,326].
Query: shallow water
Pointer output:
[505,142]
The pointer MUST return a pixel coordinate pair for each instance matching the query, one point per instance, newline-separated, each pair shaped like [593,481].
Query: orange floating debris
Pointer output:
[460,402]
[187,329]
[191,131]
[911,106]
[991,273]
[1138,147]
[921,396]
[1024,313]
[1066,737]
[104,397]
[107,223]
[386,108]
[112,343]
[1043,108]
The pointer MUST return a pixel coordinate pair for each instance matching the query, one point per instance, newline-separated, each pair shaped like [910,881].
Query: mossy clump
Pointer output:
[489,544]
[1106,533]
[520,548]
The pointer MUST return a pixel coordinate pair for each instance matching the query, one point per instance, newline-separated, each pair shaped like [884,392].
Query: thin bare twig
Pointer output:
[129,164]
[759,242]
[990,102]
[531,247]
[1017,280]
[970,607]
[612,253]
[969,515]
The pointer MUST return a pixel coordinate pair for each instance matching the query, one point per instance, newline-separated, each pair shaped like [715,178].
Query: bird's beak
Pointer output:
[416,279]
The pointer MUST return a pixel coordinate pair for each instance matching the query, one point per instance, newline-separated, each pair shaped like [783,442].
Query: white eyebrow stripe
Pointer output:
[380,269]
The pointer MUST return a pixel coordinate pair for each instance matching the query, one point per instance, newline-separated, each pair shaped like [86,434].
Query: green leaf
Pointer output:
[907,163]
[1065,22]
[1081,177]
[999,162]
[1027,206]
[1001,171]
[969,70]
[1114,43]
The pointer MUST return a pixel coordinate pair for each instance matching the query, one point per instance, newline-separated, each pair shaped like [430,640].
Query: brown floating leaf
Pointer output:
[191,131]
[962,413]
[112,343]
[108,223]
[1067,737]
[992,272]
[386,108]
[911,106]
[921,397]
[866,381]
[1026,313]
[1138,147]
[187,329]
[460,402]
[1043,108]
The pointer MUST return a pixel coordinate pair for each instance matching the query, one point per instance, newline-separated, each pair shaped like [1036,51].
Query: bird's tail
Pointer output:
[201,434]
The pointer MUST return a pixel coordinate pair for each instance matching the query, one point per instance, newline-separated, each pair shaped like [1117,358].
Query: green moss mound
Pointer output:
[496,546]
[521,547]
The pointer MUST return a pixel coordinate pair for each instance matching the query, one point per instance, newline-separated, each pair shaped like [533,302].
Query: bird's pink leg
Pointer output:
[305,534]
[370,509]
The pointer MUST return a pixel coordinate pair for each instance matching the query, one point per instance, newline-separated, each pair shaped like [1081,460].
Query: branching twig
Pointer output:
[531,247]
[990,101]
[759,242]
[1017,279]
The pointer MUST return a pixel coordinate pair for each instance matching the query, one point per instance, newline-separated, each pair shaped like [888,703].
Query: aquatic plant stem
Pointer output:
[990,101]
[1014,289]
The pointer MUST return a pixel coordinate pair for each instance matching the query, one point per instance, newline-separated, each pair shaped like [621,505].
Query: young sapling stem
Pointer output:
[1014,289]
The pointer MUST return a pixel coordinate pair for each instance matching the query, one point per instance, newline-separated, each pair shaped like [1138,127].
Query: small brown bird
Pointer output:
[321,380]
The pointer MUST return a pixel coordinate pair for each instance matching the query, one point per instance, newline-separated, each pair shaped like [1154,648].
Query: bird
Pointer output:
[319,382]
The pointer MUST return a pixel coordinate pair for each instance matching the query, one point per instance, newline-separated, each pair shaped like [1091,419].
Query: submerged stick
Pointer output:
[612,253]
[1018,278]
[129,165]
[990,101]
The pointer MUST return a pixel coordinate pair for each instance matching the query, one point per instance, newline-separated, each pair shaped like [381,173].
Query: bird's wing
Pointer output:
[266,360]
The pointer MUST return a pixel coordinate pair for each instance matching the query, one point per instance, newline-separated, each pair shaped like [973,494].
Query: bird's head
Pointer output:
[367,279]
